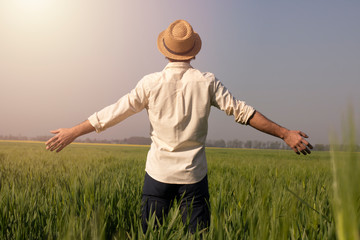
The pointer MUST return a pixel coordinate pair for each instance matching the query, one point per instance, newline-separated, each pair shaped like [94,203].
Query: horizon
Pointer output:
[298,63]
[142,140]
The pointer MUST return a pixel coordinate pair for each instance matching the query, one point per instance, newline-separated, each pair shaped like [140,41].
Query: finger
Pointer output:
[303,152]
[307,144]
[303,134]
[55,145]
[304,142]
[51,146]
[296,151]
[55,131]
[50,141]
[61,147]
[301,148]
[54,148]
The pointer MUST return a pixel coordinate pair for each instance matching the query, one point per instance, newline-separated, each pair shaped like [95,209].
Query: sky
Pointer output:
[297,62]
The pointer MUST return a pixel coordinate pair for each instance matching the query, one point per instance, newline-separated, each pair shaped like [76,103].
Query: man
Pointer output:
[178,101]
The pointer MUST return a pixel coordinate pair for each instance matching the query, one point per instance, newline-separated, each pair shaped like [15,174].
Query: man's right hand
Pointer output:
[296,140]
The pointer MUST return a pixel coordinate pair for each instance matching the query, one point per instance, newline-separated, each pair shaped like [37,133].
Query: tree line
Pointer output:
[252,144]
[255,144]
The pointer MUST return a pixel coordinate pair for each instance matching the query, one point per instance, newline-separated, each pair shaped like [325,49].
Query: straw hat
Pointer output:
[179,41]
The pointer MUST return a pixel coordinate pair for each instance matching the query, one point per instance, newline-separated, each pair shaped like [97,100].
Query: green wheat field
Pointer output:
[94,192]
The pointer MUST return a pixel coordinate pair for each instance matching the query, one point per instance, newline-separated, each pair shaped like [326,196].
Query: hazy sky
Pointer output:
[297,62]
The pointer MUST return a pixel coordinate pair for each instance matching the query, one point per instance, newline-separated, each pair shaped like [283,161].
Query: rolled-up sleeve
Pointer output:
[225,101]
[131,103]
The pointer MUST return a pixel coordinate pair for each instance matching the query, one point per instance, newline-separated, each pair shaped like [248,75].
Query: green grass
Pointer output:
[346,171]
[94,192]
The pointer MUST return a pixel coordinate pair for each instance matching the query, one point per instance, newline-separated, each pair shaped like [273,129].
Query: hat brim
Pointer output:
[189,55]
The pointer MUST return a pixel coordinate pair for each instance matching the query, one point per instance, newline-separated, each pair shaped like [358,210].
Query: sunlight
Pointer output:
[32,5]
[22,14]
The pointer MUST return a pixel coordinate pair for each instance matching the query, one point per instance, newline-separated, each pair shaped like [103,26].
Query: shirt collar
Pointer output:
[184,65]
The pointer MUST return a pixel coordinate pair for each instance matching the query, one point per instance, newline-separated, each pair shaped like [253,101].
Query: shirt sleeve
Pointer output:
[225,101]
[129,104]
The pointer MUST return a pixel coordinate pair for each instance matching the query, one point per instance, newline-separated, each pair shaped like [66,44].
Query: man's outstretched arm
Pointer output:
[294,139]
[65,136]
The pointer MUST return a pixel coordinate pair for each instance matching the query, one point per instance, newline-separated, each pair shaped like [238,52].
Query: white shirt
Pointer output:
[178,101]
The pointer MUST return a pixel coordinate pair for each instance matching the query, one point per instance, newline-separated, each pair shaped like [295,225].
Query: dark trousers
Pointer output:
[194,200]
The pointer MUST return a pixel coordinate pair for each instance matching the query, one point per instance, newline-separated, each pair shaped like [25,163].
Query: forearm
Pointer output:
[82,128]
[263,124]
[293,138]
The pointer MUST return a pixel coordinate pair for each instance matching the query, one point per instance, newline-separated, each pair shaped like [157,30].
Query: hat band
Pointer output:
[178,53]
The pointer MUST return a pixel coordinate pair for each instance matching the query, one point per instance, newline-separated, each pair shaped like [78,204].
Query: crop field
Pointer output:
[94,192]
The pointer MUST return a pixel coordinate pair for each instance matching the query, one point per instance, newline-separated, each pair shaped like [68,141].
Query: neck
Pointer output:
[185,61]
